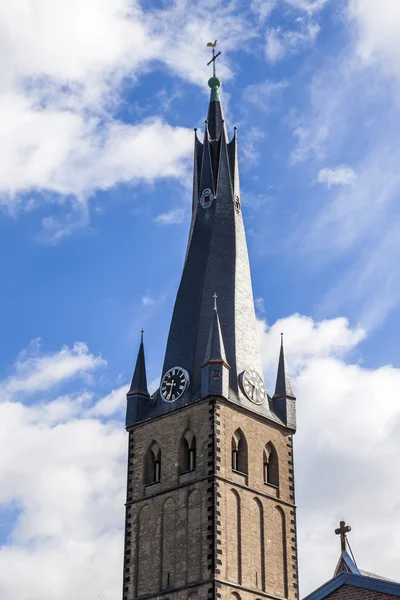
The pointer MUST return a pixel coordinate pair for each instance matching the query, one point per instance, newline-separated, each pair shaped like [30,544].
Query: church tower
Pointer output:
[210,507]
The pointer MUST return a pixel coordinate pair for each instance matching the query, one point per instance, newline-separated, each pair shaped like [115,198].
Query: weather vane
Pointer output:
[214,56]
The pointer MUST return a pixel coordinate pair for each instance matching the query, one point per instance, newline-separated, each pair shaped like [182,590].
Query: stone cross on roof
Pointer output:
[342,530]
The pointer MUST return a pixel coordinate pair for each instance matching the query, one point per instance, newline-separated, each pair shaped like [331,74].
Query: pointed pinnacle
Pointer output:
[139,379]
[283,388]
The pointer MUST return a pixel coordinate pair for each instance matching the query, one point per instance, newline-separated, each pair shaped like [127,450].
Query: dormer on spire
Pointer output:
[138,393]
[215,369]
[284,401]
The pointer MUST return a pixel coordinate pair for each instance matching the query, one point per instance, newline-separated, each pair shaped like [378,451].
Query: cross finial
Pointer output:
[214,56]
[342,530]
[215,301]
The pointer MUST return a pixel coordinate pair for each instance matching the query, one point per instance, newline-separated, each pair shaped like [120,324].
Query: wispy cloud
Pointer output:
[339,176]
[173,217]
[280,43]
[148,300]
[264,94]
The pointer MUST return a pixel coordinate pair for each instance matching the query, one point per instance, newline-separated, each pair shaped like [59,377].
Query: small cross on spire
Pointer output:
[214,56]
[342,530]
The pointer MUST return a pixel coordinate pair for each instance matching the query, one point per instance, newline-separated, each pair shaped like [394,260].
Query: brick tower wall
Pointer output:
[210,532]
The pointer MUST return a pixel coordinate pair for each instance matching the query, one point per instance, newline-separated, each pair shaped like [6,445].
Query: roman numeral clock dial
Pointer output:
[253,386]
[174,384]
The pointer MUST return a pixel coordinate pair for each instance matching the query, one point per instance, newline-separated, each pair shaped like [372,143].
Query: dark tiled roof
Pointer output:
[360,581]
[216,262]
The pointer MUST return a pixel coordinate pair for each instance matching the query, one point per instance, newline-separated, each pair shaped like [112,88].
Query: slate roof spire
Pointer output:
[139,379]
[216,259]
[283,387]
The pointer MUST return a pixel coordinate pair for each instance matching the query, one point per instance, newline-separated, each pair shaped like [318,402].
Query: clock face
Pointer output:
[174,383]
[253,386]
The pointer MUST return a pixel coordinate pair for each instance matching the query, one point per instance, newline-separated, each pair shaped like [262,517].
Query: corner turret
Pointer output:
[284,401]
[138,394]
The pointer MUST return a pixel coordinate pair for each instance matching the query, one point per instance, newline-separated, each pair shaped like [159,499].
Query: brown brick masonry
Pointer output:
[349,592]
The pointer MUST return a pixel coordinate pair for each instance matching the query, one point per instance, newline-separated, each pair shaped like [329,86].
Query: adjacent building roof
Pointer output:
[360,581]
[348,573]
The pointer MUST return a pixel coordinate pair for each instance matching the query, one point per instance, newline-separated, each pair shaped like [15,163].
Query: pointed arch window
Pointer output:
[271,466]
[187,452]
[152,464]
[239,452]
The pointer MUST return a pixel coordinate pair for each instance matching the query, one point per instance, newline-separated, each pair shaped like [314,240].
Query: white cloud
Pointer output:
[346,445]
[377,31]
[112,404]
[63,467]
[62,75]
[353,111]
[280,43]
[249,147]
[339,176]
[63,474]
[308,6]
[262,8]
[36,372]
[148,300]
[66,154]
[173,217]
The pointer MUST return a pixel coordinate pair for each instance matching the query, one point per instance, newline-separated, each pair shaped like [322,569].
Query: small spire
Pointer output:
[283,388]
[347,562]
[139,379]
[215,351]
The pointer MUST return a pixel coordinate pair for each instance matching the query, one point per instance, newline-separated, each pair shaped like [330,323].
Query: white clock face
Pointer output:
[174,384]
[253,386]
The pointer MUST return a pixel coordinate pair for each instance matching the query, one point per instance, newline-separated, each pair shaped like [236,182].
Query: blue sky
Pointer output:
[98,102]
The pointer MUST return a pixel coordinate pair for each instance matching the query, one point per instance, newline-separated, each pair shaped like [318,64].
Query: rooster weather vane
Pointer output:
[214,56]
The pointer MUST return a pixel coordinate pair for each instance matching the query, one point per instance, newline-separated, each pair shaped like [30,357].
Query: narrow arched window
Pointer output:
[239,452]
[271,467]
[152,465]
[187,452]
